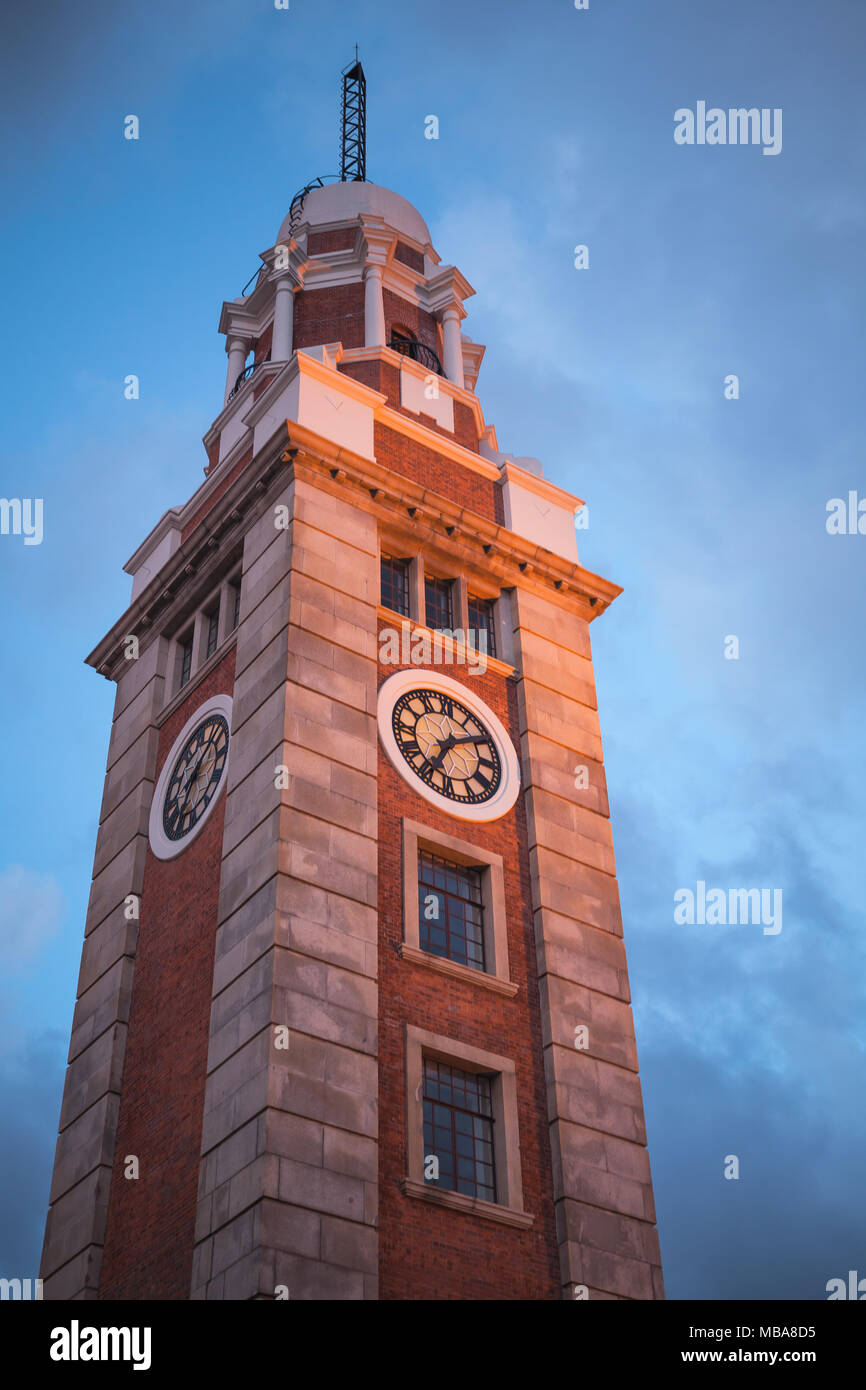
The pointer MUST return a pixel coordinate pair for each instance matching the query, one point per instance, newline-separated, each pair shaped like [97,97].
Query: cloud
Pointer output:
[31,1082]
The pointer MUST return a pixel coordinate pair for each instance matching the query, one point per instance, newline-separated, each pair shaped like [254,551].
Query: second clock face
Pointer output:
[196,777]
[446,745]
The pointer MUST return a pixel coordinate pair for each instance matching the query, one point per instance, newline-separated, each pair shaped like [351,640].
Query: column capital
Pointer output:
[376,242]
[237,341]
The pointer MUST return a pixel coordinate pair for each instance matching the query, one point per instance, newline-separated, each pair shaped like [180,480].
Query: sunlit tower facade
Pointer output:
[353,1015]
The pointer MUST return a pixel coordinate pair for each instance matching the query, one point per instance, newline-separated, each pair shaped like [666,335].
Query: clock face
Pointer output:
[197,773]
[447,745]
[191,779]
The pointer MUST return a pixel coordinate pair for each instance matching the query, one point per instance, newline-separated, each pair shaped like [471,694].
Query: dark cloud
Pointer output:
[31,1082]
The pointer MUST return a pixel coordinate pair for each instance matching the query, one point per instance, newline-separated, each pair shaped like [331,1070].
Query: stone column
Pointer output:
[605,1217]
[80,1183]
[453,347]
[289,1163]
[237,350]
[374,307]
[281,346]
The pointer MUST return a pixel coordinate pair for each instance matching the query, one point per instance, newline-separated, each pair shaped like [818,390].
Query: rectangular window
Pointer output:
[481,620]
[437,596]
[213,623]
[234,604]
[450,910]
[458,1129]
[185,660]
[394,584]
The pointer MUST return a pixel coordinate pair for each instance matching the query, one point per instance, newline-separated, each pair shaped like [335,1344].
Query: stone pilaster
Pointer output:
[289,1146]
[75,1229]
[602,1189]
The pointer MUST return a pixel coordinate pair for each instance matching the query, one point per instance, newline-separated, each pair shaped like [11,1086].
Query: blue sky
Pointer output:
[556,129]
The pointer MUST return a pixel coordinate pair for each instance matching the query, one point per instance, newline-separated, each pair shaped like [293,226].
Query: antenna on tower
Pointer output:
[353,141]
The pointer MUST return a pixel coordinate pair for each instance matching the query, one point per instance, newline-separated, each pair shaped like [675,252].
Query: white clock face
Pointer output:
[448,745]
[191,779]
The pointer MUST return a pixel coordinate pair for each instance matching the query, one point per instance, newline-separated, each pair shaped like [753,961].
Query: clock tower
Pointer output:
[353,1015]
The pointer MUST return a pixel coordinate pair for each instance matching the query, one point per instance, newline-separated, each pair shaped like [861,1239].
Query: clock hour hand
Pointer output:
[446,746]
[192,783]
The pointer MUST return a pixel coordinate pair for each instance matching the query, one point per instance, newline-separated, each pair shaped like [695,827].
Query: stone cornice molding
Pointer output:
[375,240]
[398,502]
[447,289]
[432,519]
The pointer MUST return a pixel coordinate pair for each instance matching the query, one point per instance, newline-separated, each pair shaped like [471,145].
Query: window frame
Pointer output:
[473,881]
[448,585]
[386,556]
[491,624]
[198,627]
[185,645]
[485,1113]
[508,1207]
[212,629]
[495,975]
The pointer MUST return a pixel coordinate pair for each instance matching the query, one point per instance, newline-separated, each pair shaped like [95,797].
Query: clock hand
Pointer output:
[444,747]
[192,782]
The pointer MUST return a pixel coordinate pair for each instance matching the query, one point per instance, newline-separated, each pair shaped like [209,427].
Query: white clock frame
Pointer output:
[505,795]
[162,846]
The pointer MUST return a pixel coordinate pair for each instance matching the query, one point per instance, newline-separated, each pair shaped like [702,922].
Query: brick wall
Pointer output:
[336,239]
[151,1219]
[400,313]
[332,315]
[432,1252]
[409,256]
[262,345]
[431,469]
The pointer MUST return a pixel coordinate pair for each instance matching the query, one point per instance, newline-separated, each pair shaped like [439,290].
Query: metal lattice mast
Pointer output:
[353,143]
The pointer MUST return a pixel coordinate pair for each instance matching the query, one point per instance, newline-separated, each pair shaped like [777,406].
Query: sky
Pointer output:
[556,130]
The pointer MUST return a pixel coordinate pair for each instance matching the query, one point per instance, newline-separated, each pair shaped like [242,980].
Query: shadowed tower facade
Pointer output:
[353,1016]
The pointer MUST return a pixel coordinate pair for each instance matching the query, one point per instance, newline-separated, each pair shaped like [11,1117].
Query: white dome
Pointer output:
[339,202]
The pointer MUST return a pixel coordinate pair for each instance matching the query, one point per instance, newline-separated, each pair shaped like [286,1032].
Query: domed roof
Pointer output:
[339,202]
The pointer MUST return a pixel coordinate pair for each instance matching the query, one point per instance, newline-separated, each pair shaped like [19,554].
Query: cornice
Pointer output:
[432,519]
[398,502]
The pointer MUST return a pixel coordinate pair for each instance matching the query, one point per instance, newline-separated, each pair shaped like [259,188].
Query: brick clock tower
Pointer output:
[353,1014]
